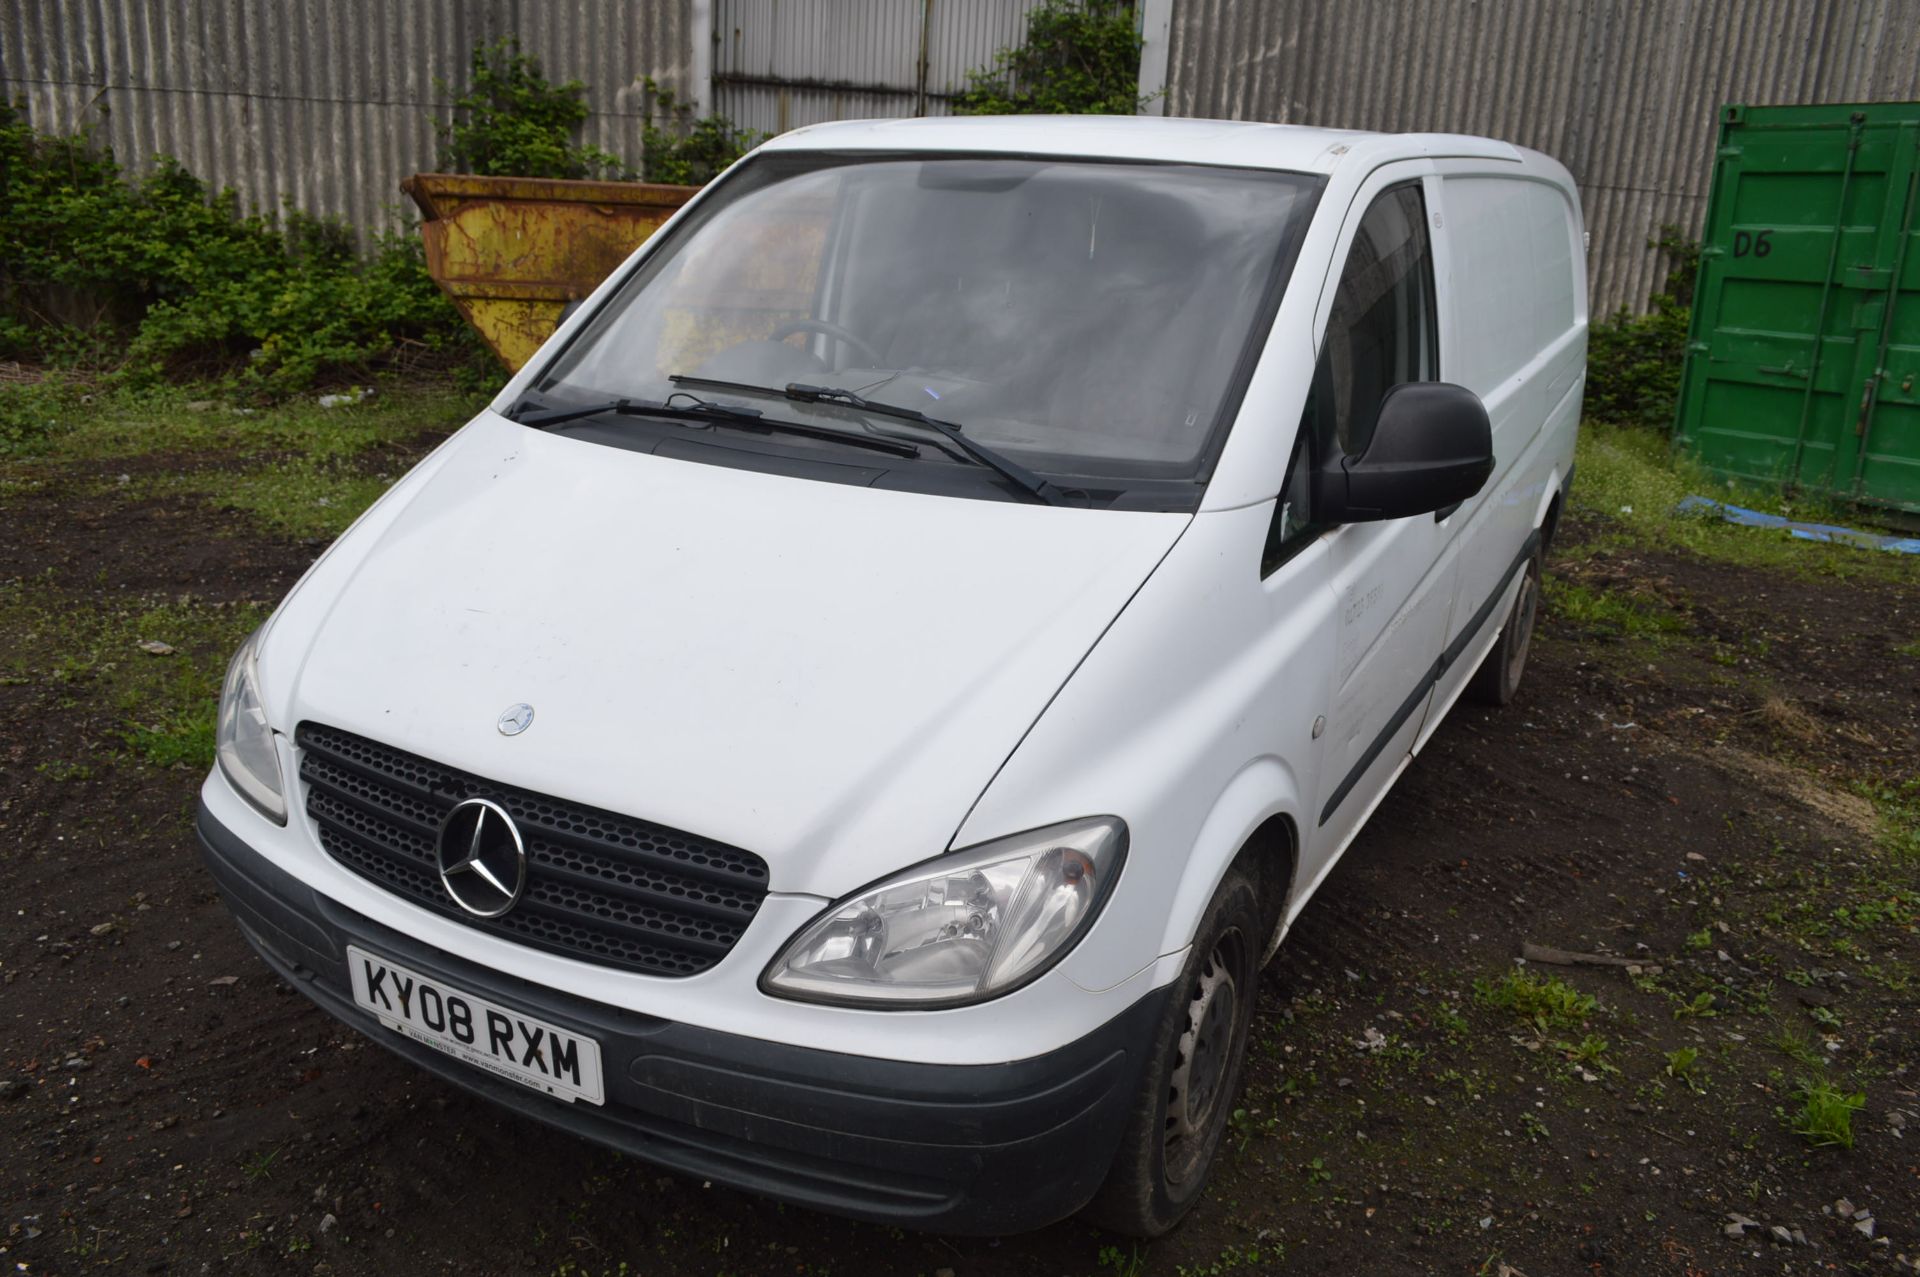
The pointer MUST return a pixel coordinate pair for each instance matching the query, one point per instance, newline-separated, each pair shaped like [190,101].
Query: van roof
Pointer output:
[1293,147]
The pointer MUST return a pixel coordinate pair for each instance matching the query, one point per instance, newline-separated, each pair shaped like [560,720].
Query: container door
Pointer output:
[1801,365]
[1879,460]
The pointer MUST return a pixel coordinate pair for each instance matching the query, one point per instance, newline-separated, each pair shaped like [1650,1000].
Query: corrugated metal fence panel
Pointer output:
[326,104]
[779,64]
[1623,92]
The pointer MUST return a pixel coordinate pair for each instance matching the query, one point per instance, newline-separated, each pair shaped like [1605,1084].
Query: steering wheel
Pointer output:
[825,329]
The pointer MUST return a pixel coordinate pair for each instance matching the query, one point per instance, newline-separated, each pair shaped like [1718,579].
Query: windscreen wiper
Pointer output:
[530,412]
[980,453]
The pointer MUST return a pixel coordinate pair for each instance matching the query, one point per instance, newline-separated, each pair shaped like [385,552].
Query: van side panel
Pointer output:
[1516,293]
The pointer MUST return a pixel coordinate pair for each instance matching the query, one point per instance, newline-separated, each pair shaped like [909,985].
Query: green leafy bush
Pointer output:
[1634,361]
[154,276]
[686,151]
[1080,58]
[513,122]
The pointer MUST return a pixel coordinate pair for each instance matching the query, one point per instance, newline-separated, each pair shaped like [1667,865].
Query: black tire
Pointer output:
[1498,678]
[1193,1073]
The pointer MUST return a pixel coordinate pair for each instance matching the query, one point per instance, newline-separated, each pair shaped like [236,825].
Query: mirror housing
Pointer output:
[1432,448]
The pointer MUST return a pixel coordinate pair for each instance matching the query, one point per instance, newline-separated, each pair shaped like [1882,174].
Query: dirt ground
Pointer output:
[1690,788]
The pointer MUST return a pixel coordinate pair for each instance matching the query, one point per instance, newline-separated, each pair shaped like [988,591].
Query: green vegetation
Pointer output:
[1081,57]
[161,702]
[1590,1053]
[1545,1002]
[1898,805]
[1825,1119]
[1606,612]
[513,122]
[1634,361]
[1799,1048]
[158,276]
[1683,1065]
[683,150]
[1630,481]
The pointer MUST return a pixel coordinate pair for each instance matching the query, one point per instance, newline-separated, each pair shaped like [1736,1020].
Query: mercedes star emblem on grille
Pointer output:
[483,862]
[515,719]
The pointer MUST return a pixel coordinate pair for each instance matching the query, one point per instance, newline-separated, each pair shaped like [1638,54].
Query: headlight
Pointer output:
[962,928]
[244,743]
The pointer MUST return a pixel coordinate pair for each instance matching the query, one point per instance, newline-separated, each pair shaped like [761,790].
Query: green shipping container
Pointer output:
[1803,366]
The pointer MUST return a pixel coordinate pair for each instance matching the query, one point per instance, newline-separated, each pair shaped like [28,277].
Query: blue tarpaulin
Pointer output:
[1805,531]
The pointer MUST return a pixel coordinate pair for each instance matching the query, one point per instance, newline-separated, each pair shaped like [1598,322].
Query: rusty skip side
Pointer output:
[513,251]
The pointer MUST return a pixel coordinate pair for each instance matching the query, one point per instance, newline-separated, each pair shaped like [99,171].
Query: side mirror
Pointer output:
[1432,447]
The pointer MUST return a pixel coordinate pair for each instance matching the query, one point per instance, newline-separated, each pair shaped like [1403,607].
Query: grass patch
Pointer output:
[1545,1002]
[182,737]
[1899,808]
[1825,1119]
[1629,477]
[89,657]
[298,499]
[74,421]
[1610,612]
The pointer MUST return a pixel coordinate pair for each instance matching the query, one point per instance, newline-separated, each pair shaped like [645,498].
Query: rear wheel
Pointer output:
[1193,1074]
[1498,678]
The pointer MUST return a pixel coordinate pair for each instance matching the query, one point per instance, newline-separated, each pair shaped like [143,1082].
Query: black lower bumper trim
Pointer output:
[963,1148]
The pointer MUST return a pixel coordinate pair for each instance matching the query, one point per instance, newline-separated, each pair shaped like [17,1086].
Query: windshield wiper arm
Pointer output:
[1040,489]
[530,412]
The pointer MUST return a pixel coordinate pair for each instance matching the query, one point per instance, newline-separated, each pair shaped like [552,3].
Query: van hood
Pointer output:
[822,674]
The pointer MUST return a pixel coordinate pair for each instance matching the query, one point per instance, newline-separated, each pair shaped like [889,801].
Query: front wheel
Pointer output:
[1498,679]
[1193,1074]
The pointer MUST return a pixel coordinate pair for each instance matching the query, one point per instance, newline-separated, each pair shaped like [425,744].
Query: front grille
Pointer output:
[602,888]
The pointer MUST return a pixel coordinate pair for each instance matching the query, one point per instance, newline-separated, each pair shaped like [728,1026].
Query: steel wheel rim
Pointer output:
[1196,1091]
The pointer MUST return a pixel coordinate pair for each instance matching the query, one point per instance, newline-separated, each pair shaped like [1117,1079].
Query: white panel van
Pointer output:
[852,717]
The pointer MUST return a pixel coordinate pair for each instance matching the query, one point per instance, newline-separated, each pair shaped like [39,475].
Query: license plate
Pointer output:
[478,1032]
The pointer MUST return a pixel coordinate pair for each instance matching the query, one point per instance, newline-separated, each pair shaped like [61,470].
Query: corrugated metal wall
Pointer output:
[327,103]
[1625,93]
[778,64]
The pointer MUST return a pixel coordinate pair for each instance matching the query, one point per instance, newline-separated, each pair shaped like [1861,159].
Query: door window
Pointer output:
[1382,331]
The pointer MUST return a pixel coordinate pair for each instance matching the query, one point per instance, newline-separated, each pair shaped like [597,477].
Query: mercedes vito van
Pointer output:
[853,716]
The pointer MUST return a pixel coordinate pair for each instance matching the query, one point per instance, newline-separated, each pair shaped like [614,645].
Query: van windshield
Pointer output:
[1096,321]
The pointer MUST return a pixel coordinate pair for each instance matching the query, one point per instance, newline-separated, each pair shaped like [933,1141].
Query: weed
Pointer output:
[1701,939]
[1317,1172]
[1130,1263]
[1799,1048]
[1590,1052]
[1826,1113]
[260,1166]
[1701,1008]
[1683,1065]
[1545,1002]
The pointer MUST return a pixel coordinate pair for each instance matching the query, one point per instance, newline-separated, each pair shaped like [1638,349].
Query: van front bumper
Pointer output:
[983,1148]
